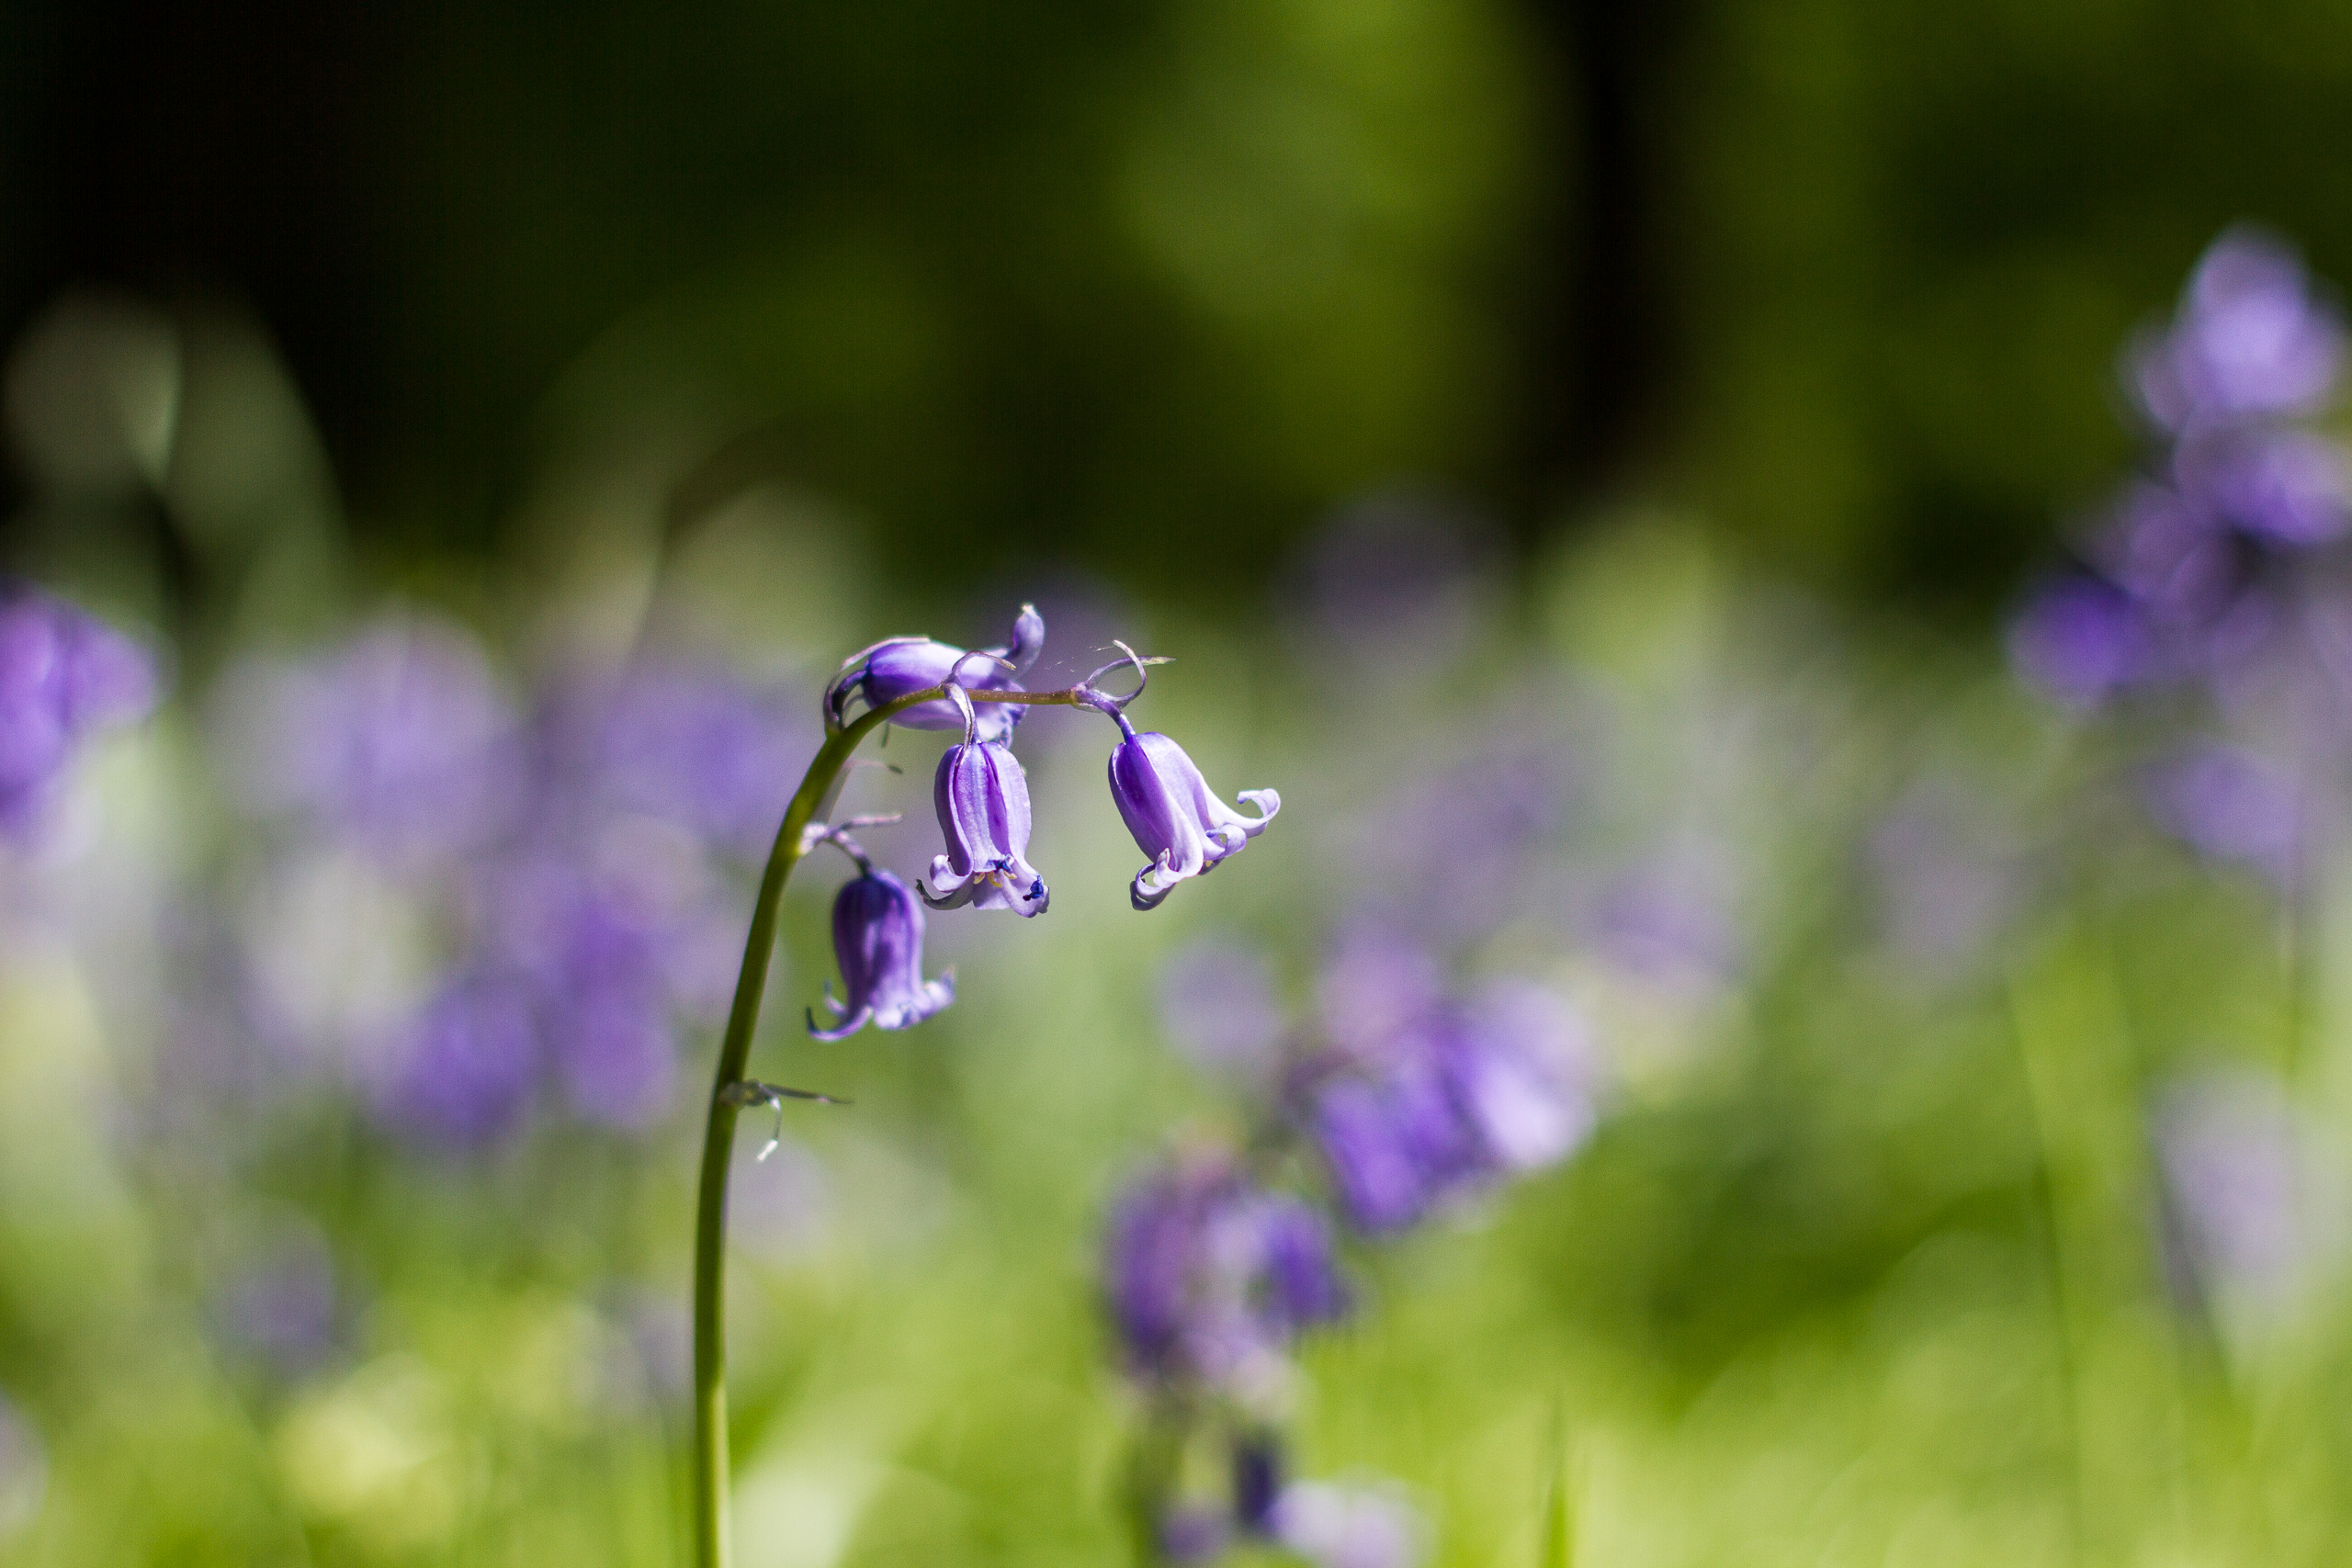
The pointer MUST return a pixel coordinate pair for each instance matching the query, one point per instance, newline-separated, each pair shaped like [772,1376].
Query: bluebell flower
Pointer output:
[898,666]
[2285,488]
[402,740]
[2232,804]
[62,675]
[2252,339]
[462,1071]
[1257,1456]
[1210,1277]
[982,798]
[1333,1526]
[2079,640]
[1175,819]
[1451,1100]
[877,939]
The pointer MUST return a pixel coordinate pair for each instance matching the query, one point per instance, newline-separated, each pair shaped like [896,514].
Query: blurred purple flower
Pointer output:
[62,675]
[461,1072]
[877,941]
[2250,339]
[900,666]
[1166,804]
[1216,1002]
[1499,799]
[2232,804]
[1209,1276]
[1451,1101]
[1669,921]
[1349,1527]
[1376,985]
[2079,640]
[982,798]
[696,747]
[1194,1532]
[2285,488]
[1257,1457]
[400,741]
[613,1049]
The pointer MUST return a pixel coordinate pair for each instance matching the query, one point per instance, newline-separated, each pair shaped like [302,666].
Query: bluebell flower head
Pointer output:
[2251,339]
[1451,1100]
[1210,1275]
[1257,1459]
[2079,640]
[900,666]
[877,939]
[62,674]
[463,1071]
[1334,1526]
[400,741]
[982,798]
[1176,820]
[2233,805]
[2285,488]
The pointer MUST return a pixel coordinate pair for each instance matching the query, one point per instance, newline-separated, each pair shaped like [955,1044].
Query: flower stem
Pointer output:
[711,1547]
[710,1479]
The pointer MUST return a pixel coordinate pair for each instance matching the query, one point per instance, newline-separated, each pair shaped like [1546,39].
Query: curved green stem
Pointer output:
[710,1480]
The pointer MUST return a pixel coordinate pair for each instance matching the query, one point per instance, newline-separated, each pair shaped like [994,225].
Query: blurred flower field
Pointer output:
[1694,1076]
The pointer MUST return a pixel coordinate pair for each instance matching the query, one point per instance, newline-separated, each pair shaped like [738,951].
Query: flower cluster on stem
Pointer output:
[981,796]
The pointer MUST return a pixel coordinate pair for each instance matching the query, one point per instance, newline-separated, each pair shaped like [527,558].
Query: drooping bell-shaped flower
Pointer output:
[1175,819]
[983,801]
[1209,1276]
[877,939]
[900,666]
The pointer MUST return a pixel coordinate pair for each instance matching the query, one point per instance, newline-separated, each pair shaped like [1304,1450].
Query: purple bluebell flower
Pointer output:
[400,741]
[1166,805]
[982,798]
[1669,920]
[897,667]
[1349,1527]
[2177,559]
[877,939]
[2079,640]
[2286,488]
[1526,1073]
[1257,1457]
[1451,1100]
[2231,804]
[1210,1275]
[615,1051]
[2251,339]
[1194,1532]
[62,674]
[462,1071]
[696,747]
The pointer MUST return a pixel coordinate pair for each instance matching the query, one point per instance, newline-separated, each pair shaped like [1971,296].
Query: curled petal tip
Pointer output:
[849,1025]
